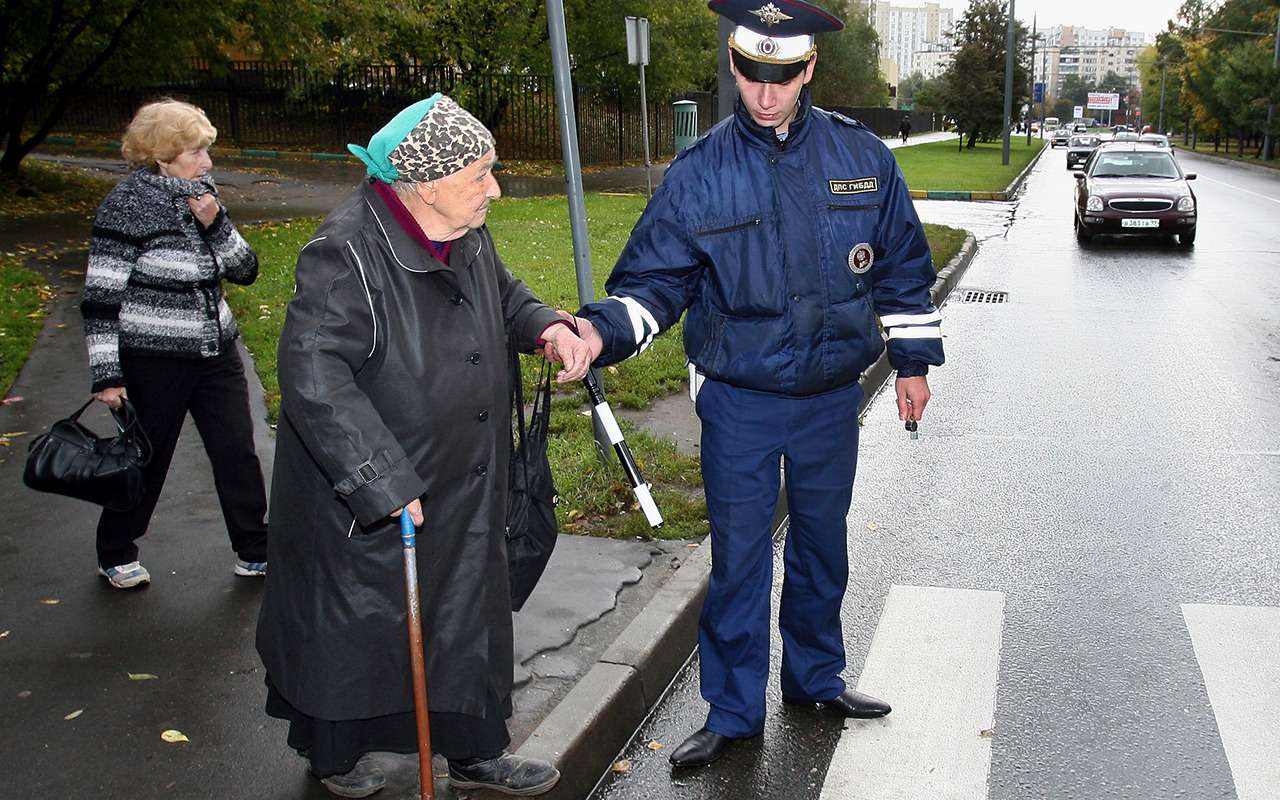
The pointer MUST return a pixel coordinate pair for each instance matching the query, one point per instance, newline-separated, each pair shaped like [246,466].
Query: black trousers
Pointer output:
[214,391]
[334,747]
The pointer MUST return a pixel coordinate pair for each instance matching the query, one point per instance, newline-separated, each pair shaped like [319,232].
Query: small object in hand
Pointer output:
[913,428]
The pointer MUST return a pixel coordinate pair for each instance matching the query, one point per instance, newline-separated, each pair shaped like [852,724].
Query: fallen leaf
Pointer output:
[986,733]
[654,744]
[622,766]
[24,694]
[50,601]
[74,714]
[4,634]
[173,737]
[143,676]
[14,433]
[4,442]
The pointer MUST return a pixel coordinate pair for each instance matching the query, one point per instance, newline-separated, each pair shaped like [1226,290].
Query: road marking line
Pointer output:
[936,659]
[1238,648]
[1238,189]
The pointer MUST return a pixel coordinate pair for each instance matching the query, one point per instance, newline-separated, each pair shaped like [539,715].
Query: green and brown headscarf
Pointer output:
[428,140]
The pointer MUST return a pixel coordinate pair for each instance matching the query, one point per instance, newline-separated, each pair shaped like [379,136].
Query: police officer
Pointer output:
[785,232]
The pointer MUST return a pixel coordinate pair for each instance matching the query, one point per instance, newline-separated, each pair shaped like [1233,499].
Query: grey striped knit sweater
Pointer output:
[154,280]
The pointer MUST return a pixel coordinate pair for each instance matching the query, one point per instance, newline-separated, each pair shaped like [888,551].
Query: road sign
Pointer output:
[1037,95]
[1078,113]
[1105,101]
[637,40]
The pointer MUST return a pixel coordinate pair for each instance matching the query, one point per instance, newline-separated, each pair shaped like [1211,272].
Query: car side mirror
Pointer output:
[1190,176]
[1078,172]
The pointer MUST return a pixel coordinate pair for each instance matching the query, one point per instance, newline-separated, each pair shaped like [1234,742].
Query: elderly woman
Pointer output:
[396,393]
[160,333]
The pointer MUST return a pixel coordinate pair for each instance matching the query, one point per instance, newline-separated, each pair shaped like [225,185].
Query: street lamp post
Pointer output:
[1164,68]
[1031,80]
[1271,107]
[1008,87]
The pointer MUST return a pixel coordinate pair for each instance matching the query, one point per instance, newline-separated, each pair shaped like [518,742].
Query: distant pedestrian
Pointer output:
[789,236]
[161,335]
[904,129]
[395,386]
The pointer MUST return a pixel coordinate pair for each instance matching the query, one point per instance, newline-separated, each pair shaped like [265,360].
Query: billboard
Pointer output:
[1104,101]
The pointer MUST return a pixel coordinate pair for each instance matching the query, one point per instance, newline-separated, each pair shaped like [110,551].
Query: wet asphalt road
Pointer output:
[1101,449]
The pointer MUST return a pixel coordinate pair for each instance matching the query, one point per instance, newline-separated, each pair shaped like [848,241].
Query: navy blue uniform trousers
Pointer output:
[745,434]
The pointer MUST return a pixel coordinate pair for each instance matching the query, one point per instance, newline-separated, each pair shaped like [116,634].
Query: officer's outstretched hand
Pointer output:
[913,396]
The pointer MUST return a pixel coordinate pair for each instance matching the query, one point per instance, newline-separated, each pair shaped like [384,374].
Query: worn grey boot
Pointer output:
[364,779]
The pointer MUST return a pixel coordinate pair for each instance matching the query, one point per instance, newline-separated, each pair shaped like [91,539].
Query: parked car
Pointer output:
[1079,127]
[1120,129]
[1125,136]
[1134,189]
[1080,149]
[1157,139]
[1061,136]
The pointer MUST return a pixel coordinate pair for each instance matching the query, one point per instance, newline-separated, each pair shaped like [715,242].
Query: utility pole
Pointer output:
[573,177]
[1008,87]
[1031,81]
[1164,68]
[1271,107]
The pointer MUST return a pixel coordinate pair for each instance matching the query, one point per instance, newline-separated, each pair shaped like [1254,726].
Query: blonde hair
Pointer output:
[163,130]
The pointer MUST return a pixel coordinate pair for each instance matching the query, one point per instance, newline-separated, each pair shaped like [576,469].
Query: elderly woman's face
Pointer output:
[463,198]
[189,165]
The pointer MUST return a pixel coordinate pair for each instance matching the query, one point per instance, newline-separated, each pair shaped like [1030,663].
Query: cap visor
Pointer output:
[762,72]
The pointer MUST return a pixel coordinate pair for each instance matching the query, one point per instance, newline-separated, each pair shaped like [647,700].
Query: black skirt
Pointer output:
[334,746]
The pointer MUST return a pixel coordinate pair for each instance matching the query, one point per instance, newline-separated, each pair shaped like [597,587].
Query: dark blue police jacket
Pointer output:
[784,252]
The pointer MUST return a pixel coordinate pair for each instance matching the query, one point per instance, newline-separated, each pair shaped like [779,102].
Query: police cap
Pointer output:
[773,40]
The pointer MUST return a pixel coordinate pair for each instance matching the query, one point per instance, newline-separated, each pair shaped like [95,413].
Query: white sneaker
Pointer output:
[126,576]
[250,569]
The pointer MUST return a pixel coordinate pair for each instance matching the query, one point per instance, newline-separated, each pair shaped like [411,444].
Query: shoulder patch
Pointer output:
[850,121]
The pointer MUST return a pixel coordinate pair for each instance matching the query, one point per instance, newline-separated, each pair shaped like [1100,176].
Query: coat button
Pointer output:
[456,299]
[795,298]
[474,358]
[482,470]
[482,416]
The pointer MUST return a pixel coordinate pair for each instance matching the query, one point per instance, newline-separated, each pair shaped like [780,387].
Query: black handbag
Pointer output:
[72,460]
[531,509]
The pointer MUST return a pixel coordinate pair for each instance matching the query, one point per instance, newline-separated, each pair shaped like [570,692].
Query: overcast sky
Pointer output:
[1148,16]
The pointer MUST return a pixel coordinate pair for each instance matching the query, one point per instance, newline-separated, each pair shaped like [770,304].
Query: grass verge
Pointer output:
[1226,150]
[24,296]
[940,166]
[42,188]
[533,238]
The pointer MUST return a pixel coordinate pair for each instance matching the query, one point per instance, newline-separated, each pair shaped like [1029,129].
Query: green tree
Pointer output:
[931,94]
[1076,89]
[974,94]
[51,50]
[848,71]
[909,86]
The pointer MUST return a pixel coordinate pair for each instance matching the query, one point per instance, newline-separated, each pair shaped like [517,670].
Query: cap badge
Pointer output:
[767,47]
[770,14]
[861,257]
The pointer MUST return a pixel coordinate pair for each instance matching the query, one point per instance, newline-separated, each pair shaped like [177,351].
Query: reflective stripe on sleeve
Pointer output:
[643,326]
[892,320]
[915,333]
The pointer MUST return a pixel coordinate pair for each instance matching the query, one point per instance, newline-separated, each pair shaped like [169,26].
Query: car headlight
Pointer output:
[1187,203]
[1094,203]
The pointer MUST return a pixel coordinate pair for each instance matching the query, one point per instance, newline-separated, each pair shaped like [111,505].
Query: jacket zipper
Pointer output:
[861,207]
[739,226]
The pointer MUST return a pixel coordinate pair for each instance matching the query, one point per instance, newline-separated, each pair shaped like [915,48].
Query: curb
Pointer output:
[1008,194]
[594,722]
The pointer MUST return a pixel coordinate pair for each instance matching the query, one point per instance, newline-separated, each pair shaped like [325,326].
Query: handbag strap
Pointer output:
[131,430]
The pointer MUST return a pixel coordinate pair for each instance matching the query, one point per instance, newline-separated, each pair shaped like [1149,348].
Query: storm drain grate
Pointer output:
[983,296]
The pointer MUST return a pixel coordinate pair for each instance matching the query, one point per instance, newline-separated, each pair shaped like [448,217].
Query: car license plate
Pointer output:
[1139,223]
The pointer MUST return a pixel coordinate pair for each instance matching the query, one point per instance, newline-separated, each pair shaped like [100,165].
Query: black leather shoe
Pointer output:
[701,749]
[364,779]
[848,704]
[509,774]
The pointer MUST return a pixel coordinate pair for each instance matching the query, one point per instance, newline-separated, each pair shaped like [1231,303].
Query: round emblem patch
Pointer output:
[861,257]
[767,47]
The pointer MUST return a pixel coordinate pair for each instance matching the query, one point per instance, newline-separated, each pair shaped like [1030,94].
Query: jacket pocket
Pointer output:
[855,336]
[741,253]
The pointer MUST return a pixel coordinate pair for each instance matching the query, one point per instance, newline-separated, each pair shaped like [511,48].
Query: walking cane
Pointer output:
[408,540]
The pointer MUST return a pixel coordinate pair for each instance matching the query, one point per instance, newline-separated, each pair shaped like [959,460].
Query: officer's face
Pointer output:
[772,105]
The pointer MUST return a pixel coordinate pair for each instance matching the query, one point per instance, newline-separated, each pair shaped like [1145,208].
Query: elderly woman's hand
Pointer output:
[113,397]
[564,346]
[205,207]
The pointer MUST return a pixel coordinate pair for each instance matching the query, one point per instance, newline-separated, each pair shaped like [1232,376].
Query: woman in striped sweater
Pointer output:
[161,334]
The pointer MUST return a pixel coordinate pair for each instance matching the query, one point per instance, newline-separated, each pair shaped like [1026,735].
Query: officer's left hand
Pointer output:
[565,347]
[913,396]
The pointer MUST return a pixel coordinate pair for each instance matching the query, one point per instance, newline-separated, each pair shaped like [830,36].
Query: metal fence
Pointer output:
[284,105]
[885,121]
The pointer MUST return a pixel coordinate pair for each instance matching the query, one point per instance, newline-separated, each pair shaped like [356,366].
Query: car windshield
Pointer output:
[1134,165]
[1084,141]
[1158,141]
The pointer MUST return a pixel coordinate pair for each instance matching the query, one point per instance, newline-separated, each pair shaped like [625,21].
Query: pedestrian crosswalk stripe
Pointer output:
[935,658]
[1238,648]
